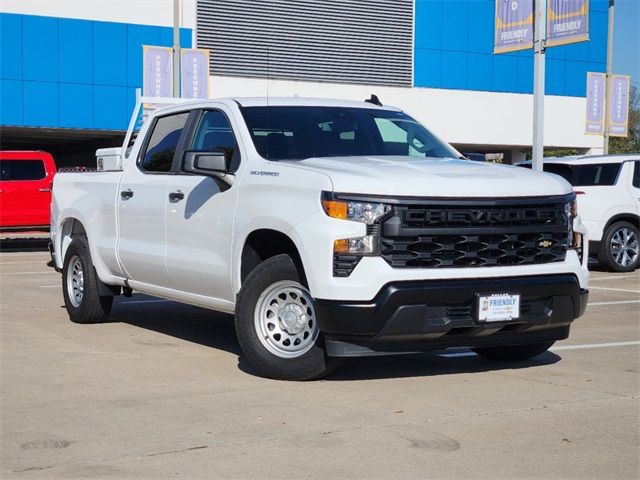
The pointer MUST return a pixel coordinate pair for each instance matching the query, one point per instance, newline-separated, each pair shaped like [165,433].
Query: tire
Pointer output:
[80,285]
[513,353]
[276,324]
[620,249]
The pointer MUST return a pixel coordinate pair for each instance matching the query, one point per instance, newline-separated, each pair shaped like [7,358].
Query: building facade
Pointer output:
[69,70]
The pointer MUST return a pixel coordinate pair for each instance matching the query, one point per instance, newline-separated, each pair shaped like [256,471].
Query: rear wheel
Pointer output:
[513,353]
[620,251]
[80,285]
[277,326]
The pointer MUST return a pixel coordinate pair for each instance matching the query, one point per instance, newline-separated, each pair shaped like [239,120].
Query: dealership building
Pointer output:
[69,69]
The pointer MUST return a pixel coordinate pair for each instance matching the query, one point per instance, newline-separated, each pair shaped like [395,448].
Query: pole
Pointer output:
[176,48]
[607,85]
[539,38]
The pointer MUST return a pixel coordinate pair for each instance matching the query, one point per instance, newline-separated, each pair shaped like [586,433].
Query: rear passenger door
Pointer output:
[200,213]
[142,202]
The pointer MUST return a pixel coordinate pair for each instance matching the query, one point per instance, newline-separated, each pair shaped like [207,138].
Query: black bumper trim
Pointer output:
[442,313]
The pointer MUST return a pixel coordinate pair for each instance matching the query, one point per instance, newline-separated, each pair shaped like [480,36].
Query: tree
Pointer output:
[631,143]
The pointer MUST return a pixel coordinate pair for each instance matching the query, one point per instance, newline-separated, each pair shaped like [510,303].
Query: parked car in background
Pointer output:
[25,189]
[608,193]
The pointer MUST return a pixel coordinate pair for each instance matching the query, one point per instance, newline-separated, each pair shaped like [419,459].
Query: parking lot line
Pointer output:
[28,273]
[553,349]
[50,286]
[614,289]
[618,277]
[38,262]
[595,345]
[597,304]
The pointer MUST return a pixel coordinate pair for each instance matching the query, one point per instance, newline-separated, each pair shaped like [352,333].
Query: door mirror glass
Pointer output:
[205,163]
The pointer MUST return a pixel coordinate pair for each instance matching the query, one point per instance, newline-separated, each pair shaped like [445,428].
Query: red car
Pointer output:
[25,188]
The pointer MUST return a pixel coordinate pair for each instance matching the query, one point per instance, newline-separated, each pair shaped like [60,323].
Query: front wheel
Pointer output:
[80,285]
[277,326]
[513,353]
[620,251]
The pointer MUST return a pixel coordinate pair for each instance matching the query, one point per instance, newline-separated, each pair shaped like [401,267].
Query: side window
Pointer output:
[22,170]
[636,174]
[597,174]
[163,143]
[214,133]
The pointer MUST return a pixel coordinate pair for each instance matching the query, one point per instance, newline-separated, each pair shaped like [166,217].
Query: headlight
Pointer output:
[365,212]
[347,252]
[574,240]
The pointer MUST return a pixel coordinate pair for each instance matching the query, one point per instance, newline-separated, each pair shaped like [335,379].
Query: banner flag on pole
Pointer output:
[567,21]
[513,25]
[595,103]
[619,119]
[194,73]
[157,68]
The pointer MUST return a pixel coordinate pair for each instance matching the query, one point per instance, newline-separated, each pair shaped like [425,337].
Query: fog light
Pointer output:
[360,245]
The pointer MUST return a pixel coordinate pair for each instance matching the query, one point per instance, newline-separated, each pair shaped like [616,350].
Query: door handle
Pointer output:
[176,196]
[125,194]
[45,189]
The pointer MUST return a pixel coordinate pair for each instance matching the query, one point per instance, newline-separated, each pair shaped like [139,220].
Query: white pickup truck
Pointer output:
[329,228]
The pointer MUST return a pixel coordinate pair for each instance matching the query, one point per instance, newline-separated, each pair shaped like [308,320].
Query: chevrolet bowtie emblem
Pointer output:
[545,243]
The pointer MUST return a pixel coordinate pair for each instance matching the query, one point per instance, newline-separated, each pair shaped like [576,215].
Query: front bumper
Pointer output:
[432,315]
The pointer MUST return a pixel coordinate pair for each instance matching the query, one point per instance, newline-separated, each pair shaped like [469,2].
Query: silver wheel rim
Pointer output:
[624,247]
[75,281]
[285,320]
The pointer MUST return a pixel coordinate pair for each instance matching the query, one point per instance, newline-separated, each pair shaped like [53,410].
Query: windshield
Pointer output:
[296,133]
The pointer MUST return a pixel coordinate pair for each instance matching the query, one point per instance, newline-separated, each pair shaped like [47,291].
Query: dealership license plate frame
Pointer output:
[486,312]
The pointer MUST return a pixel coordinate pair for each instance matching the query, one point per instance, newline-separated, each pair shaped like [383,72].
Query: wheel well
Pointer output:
[263,244]
[70,227]
[622,217]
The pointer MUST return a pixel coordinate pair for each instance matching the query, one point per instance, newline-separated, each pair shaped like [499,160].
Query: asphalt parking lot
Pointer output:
[161,392]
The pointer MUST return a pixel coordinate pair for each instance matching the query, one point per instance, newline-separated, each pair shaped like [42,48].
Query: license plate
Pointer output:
[499,307]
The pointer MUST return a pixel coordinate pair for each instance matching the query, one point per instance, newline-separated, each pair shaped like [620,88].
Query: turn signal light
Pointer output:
[335,209]
[341,246]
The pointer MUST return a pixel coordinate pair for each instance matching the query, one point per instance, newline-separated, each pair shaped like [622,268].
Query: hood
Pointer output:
[433,177]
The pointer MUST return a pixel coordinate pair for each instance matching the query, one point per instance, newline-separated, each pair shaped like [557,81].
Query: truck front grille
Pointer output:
[472,234]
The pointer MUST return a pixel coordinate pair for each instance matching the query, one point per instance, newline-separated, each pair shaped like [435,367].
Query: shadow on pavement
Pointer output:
[216,330]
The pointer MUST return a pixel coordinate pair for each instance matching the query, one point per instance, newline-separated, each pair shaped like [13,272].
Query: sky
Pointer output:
[626,39]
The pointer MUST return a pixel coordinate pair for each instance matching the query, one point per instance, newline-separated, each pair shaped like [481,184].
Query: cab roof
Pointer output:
[306,102]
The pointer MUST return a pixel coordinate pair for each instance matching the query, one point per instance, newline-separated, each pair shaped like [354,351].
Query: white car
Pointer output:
[329,228]
[608,193]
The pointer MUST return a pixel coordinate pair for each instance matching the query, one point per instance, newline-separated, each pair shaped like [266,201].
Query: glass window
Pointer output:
[565,171]
[22,170]
[296,133]
[214,133]
[636,174]
[163,143]
[597,174]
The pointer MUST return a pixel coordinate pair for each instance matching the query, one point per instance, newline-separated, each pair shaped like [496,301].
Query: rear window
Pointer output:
[586,175]
[22,170]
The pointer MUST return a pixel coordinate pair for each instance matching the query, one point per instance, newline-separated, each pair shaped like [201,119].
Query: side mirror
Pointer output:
[205,163]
